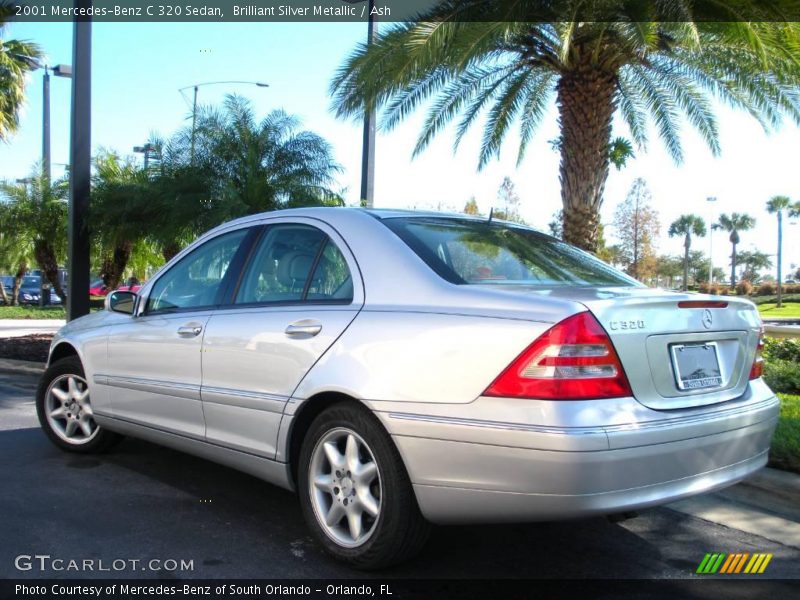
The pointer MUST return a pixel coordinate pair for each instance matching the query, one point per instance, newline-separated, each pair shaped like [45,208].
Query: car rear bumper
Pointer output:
[468,470]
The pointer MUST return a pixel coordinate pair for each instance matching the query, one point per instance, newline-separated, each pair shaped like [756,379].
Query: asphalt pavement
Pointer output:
[142,502]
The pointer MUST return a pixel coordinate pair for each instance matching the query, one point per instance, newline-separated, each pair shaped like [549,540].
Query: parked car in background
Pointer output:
[29,289]
[398,368]
[131,285]
[98,288]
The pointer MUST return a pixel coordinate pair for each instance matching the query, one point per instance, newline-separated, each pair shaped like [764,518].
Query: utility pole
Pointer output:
[80,165]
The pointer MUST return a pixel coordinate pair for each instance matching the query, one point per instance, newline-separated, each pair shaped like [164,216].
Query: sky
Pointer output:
[138,69]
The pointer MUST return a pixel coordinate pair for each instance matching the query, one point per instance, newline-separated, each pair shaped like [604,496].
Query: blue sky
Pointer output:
[138,69]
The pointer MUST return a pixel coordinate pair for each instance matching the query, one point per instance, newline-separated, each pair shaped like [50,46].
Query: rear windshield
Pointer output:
[466,251]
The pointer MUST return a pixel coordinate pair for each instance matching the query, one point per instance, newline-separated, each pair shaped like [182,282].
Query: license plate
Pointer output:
[696,366]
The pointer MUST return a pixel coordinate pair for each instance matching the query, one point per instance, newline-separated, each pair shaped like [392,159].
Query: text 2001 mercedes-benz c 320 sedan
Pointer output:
[400,368]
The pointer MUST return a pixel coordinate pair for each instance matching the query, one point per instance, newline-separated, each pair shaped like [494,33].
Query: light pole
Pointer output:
[711,200]
[148,149]
[368,140]
[80,165]
[59,71]
[194,100]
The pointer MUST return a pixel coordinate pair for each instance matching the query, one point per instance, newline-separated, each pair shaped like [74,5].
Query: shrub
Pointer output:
[704,288]
[792,288]
[725,291]
[785,349]
[714,289]
[782,376]
[766,289]
[744,288]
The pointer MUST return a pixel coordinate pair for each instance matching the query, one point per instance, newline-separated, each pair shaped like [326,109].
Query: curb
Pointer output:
[28,367]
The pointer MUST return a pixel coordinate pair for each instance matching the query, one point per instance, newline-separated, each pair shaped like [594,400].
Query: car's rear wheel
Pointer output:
[355,492]
[64,408]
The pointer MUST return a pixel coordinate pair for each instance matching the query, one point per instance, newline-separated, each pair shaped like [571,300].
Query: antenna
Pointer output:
[491,214]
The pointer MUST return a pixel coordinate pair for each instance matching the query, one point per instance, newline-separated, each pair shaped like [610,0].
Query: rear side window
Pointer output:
[295,263]
[473,252]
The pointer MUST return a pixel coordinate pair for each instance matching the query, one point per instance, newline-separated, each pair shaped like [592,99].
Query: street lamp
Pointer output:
[194,101]
[368,144]
[148,150]
[58,71]
[711,200]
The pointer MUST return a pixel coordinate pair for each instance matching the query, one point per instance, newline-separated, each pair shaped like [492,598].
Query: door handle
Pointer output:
[190,330]
[304,328]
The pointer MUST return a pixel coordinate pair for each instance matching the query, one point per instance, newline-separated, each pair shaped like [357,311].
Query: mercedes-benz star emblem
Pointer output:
[708,319]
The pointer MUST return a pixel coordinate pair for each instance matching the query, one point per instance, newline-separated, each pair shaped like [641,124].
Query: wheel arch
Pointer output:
[63,349]
[305,415]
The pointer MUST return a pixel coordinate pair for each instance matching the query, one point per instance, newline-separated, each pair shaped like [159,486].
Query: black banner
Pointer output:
[278,11]
[391,589]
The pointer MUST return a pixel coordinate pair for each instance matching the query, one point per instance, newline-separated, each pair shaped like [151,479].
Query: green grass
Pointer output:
[785,451]
[787,310]
[32,312]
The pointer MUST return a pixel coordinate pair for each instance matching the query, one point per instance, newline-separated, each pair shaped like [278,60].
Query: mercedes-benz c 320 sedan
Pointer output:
[398,369]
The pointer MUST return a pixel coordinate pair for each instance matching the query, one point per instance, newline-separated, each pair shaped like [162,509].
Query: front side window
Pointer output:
[196,280]
[466,251]
[294,263]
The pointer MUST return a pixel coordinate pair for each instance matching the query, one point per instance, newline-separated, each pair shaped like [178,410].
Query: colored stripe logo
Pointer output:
[731,564]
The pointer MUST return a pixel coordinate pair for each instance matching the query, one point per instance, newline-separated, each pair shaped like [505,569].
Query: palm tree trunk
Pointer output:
[586,106]
[22,268]
[686,244]
[3,294]
[45,256]
[780,251]
[733,266]
[168,251]
[114,265]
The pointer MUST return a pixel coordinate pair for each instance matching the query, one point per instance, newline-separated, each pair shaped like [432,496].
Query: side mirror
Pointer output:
[121,302]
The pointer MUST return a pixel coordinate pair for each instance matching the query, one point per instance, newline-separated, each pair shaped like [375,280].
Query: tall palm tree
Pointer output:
[37,217]
[687,225]
[17,59]
[733,224]
[638,59]
[775,206]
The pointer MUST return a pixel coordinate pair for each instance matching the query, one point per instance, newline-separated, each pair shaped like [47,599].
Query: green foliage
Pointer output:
[782,376]
[758,300]
[782,349]
[784,451]
[17,59]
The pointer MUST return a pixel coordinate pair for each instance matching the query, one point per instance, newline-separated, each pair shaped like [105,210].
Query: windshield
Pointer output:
[466,251]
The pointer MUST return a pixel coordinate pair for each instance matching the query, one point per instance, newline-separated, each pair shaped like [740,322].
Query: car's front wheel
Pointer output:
[64,408]
[355,492]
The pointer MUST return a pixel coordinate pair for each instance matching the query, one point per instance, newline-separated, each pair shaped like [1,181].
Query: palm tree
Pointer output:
[121,213]
[36,215]
[733,224]
[17,59]
[775,206]
[257,166]
[686,225]
[471,57]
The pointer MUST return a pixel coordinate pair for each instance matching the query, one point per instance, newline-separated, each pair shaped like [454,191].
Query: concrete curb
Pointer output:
[28,367]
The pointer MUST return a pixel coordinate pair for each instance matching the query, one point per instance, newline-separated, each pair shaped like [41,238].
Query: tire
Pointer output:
[398,531]
[71,402]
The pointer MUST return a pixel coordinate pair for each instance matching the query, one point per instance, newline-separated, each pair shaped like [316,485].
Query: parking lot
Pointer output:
[142,502]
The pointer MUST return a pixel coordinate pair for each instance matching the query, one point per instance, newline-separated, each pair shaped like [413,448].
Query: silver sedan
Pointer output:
[398,369]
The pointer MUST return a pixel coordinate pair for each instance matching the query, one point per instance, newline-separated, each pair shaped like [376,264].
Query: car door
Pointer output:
[299,292]
[155,357]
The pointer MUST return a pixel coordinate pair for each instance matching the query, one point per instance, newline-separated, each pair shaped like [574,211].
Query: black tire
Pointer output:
[400,531]
[101,441]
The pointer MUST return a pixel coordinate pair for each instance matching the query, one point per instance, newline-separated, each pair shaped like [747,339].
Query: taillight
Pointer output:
[573,360]
[758,362]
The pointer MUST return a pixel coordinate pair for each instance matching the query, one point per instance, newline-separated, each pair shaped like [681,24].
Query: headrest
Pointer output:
[293,268]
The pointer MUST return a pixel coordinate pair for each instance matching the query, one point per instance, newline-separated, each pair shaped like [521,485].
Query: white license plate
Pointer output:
[696,366]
